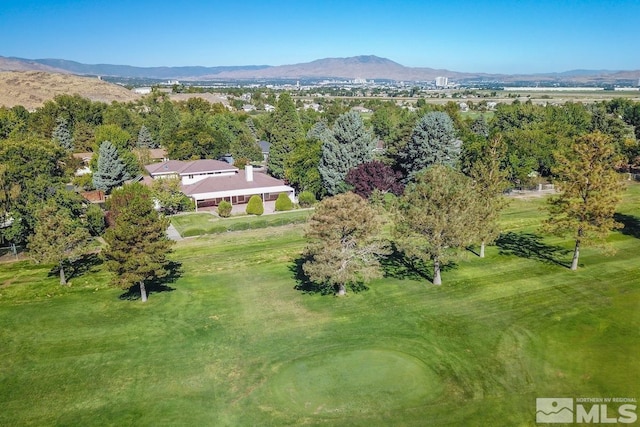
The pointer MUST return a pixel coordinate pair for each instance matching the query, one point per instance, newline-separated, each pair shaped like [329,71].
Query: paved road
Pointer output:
[173,233]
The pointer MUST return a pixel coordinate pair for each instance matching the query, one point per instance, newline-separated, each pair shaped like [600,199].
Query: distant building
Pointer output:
[142,90]
[442,81]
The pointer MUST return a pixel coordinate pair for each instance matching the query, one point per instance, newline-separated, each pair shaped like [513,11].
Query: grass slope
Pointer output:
[236,344]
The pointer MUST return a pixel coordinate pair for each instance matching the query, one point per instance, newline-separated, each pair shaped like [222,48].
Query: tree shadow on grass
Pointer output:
[398,266]
[157,285]
[531,246]
[631,224]
[305,285]
[76,267]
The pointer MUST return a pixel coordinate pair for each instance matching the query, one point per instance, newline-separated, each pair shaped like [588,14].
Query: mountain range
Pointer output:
[368,67]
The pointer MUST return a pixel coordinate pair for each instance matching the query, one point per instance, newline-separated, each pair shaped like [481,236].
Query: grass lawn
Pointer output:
[235,344]
[196,224]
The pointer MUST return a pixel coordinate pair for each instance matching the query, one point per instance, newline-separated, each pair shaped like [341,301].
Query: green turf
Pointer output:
[196,224]
[235,344]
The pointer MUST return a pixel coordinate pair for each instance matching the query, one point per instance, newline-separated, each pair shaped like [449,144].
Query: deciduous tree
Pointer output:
[590,190]
[58,236]
[490,181]
[435,216]
[374,175]
[343,246]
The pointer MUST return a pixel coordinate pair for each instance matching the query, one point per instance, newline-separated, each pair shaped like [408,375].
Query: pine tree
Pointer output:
[61,134]
[111,171]
[432,142]
[144,139]
[137,244]
[348,145]
[590,190]
[343,247]
[285,132]
[58,236]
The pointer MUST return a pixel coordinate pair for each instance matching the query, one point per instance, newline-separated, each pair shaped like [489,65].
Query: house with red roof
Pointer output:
[208,182]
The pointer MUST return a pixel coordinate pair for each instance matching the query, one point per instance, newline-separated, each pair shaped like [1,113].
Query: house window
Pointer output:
[190,176]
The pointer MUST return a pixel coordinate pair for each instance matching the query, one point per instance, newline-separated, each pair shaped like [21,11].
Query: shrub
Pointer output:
[283,202]
[255,206]
[306,199]
[241,162]
[224,209]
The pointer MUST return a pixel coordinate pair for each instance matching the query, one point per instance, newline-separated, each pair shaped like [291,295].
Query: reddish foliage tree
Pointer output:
[373,175]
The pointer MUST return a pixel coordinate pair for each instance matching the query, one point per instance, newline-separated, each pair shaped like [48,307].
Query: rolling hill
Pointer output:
[32,88]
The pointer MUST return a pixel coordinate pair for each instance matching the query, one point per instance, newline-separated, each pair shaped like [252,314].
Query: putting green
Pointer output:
[365,380]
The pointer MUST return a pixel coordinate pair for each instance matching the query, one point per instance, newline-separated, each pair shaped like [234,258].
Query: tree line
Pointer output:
[322,154]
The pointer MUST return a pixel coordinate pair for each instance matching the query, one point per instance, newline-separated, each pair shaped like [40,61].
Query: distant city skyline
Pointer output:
[494,37]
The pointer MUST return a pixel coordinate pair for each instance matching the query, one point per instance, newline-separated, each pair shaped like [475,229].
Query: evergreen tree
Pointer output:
[343,247]
[137,244]
[285,131]
[58,236]
[436,216]
[480,127]
[111,171]
[590,190]
[348,145]
[61,134]
[145,140]
[169,123]
[433,141]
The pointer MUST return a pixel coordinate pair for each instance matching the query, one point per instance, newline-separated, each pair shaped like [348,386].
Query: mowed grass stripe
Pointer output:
[232,343]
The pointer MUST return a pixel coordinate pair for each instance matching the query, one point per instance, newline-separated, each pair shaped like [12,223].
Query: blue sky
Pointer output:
[517,36]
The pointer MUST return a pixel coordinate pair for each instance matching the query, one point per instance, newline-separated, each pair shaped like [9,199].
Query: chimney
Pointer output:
[248,173]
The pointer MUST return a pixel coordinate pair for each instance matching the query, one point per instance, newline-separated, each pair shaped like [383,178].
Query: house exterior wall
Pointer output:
[188,179]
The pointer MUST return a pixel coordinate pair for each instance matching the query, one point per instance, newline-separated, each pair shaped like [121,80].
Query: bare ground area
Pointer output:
[32,89]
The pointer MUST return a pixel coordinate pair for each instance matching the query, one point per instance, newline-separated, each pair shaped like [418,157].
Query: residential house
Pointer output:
[208,182]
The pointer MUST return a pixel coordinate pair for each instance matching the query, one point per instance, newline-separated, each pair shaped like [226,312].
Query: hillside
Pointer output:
[32,88]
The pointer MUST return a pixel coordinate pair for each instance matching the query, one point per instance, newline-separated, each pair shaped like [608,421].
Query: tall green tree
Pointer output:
[61,134]
[348,145]
[285,130]
[33,170]
[435,216]
[111,171]
[9,192]
[490,180]
[145,140]
[432,142]
[137,243]
[169,122]
[58,236]
[590,190]
[343,247]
